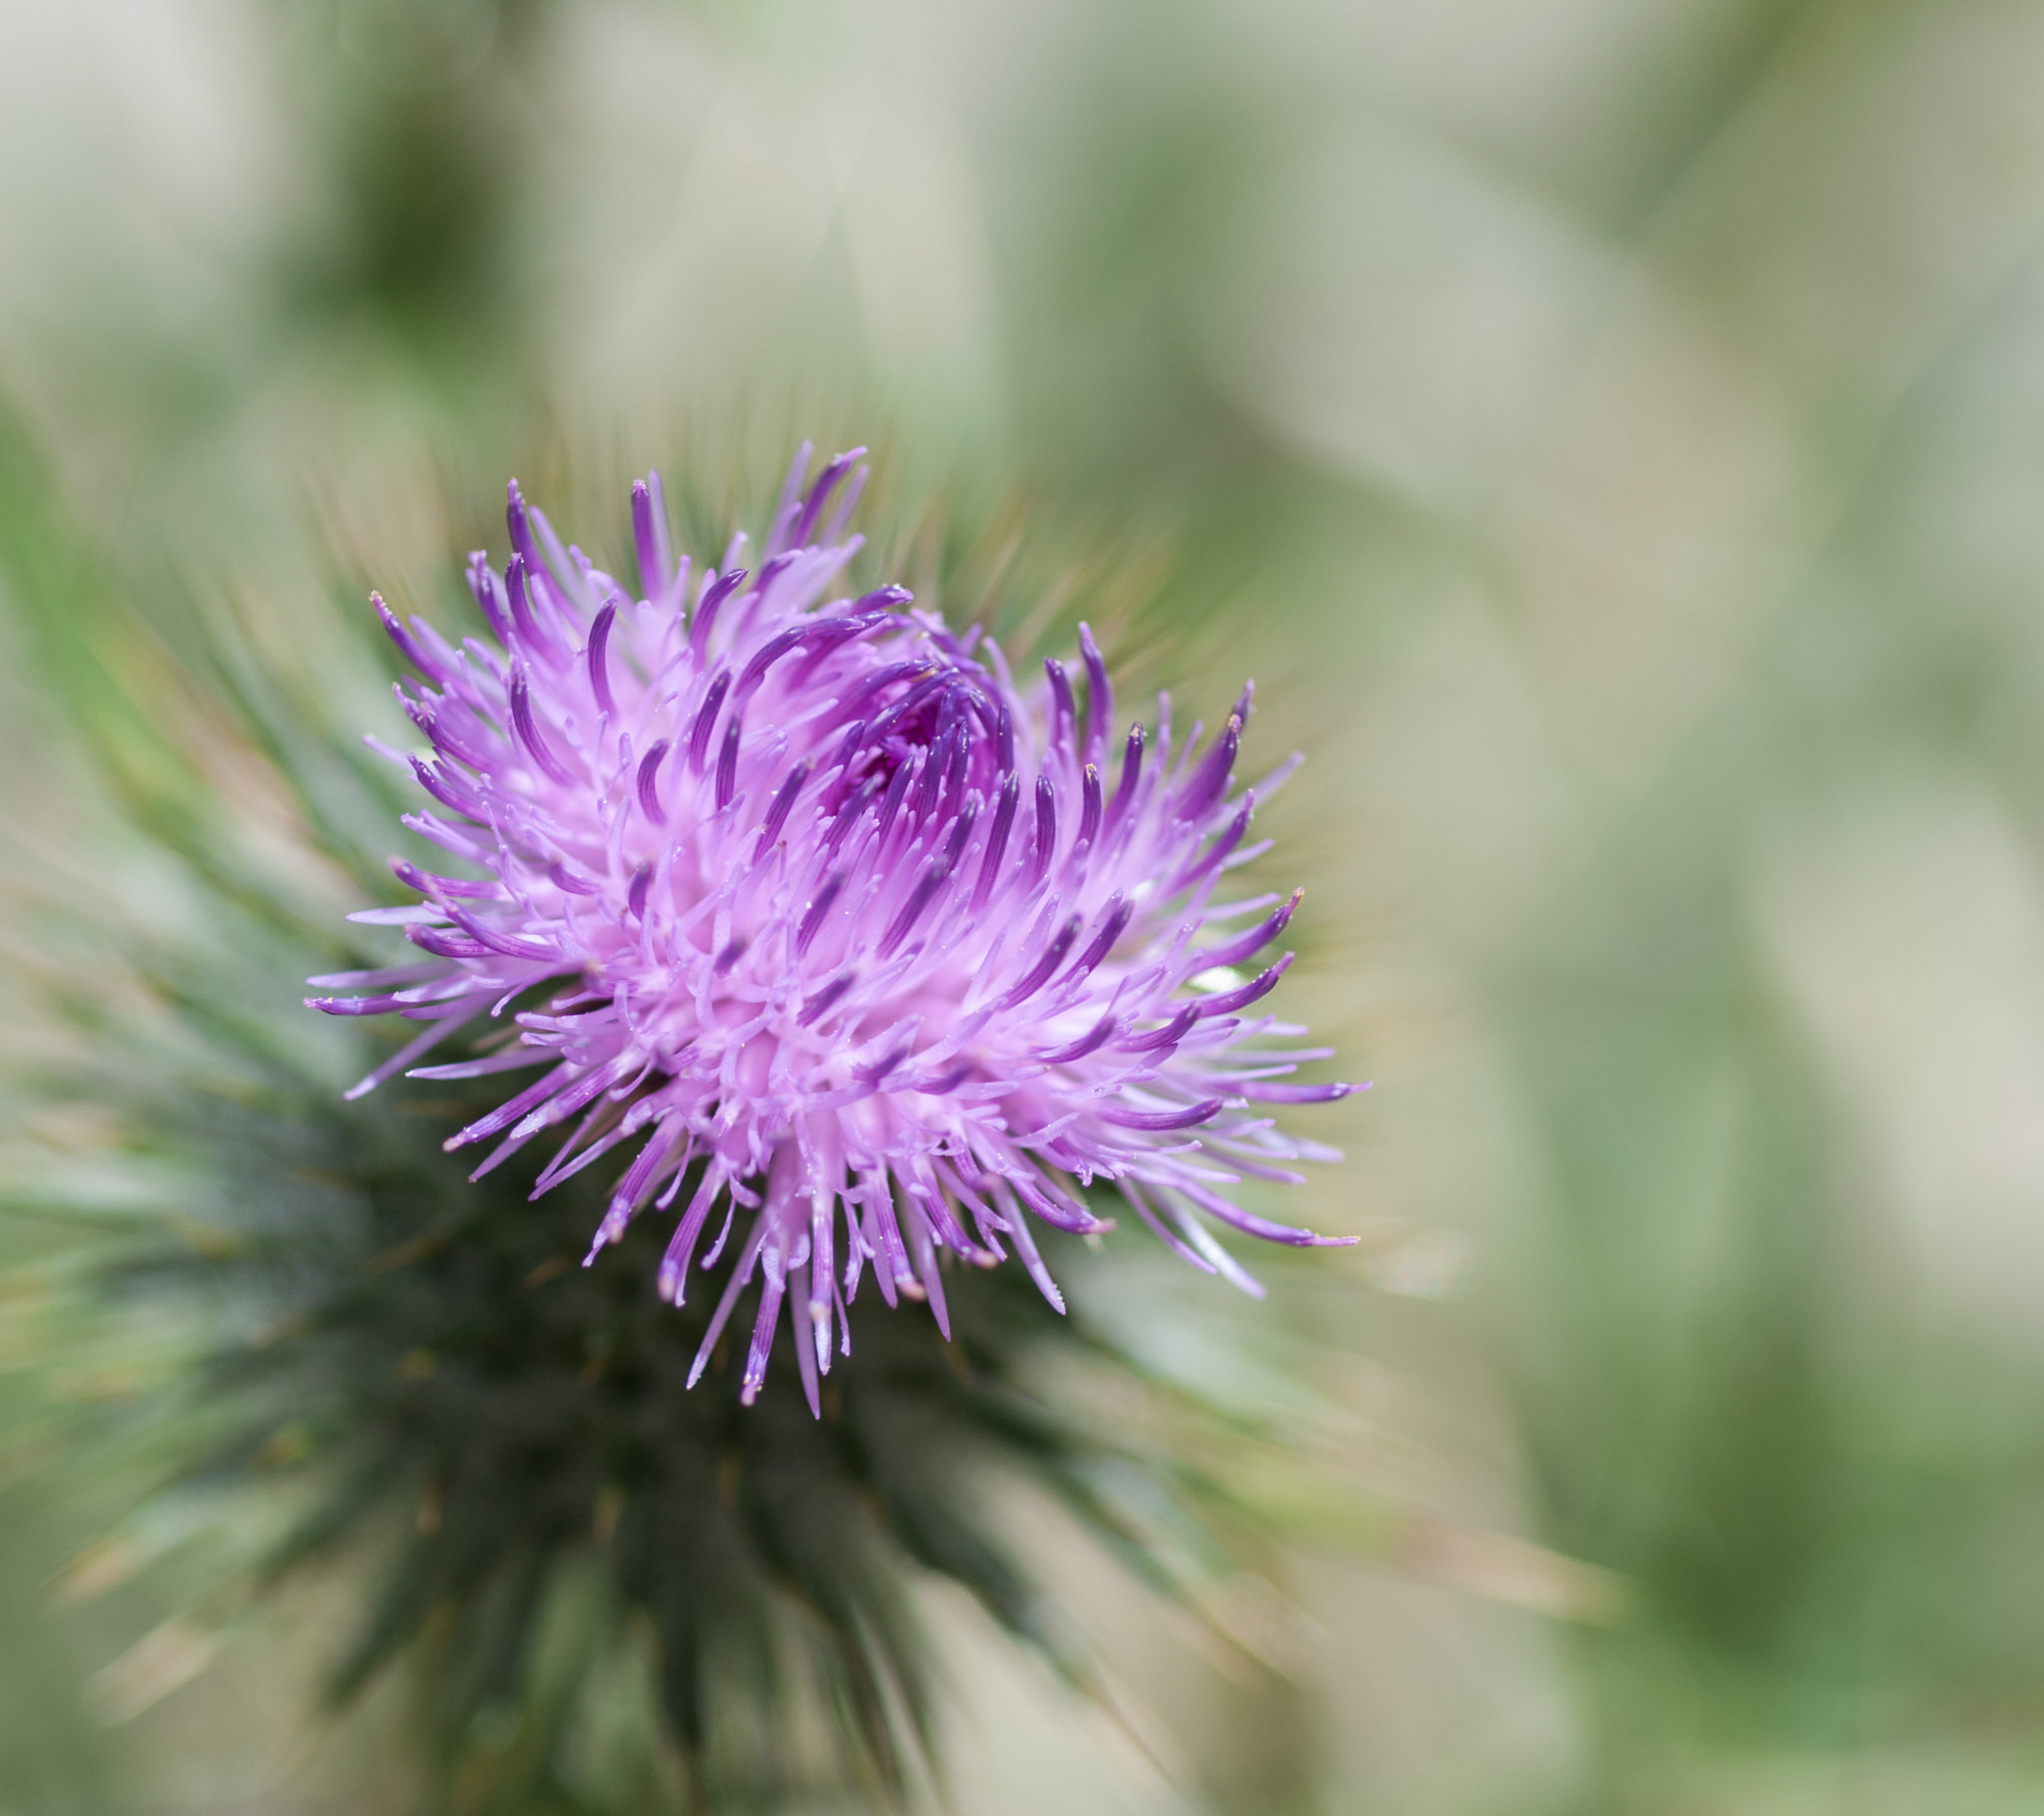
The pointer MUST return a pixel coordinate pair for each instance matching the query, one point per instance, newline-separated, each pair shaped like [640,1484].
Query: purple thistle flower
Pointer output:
[848,925]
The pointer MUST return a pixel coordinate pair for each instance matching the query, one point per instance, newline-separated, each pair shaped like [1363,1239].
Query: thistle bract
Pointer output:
[864,947]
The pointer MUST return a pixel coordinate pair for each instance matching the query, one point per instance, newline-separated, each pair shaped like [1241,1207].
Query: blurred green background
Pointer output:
[1612,436]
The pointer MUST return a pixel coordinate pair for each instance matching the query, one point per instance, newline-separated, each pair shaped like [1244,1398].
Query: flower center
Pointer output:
[939,723]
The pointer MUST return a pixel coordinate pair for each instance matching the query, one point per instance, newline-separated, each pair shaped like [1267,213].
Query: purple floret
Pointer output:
[849,930]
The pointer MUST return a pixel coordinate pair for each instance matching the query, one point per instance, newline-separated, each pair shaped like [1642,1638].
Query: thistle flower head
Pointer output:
[842,935]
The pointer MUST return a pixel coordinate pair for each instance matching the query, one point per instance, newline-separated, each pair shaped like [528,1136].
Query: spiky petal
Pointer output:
[845,930]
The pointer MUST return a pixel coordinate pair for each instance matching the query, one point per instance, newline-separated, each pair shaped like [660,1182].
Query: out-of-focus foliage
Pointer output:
[1610,433]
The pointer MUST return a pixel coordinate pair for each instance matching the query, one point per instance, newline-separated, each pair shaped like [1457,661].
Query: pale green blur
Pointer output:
[1612,435]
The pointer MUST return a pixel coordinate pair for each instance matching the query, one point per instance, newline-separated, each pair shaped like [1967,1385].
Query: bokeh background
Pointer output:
[1612,436]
